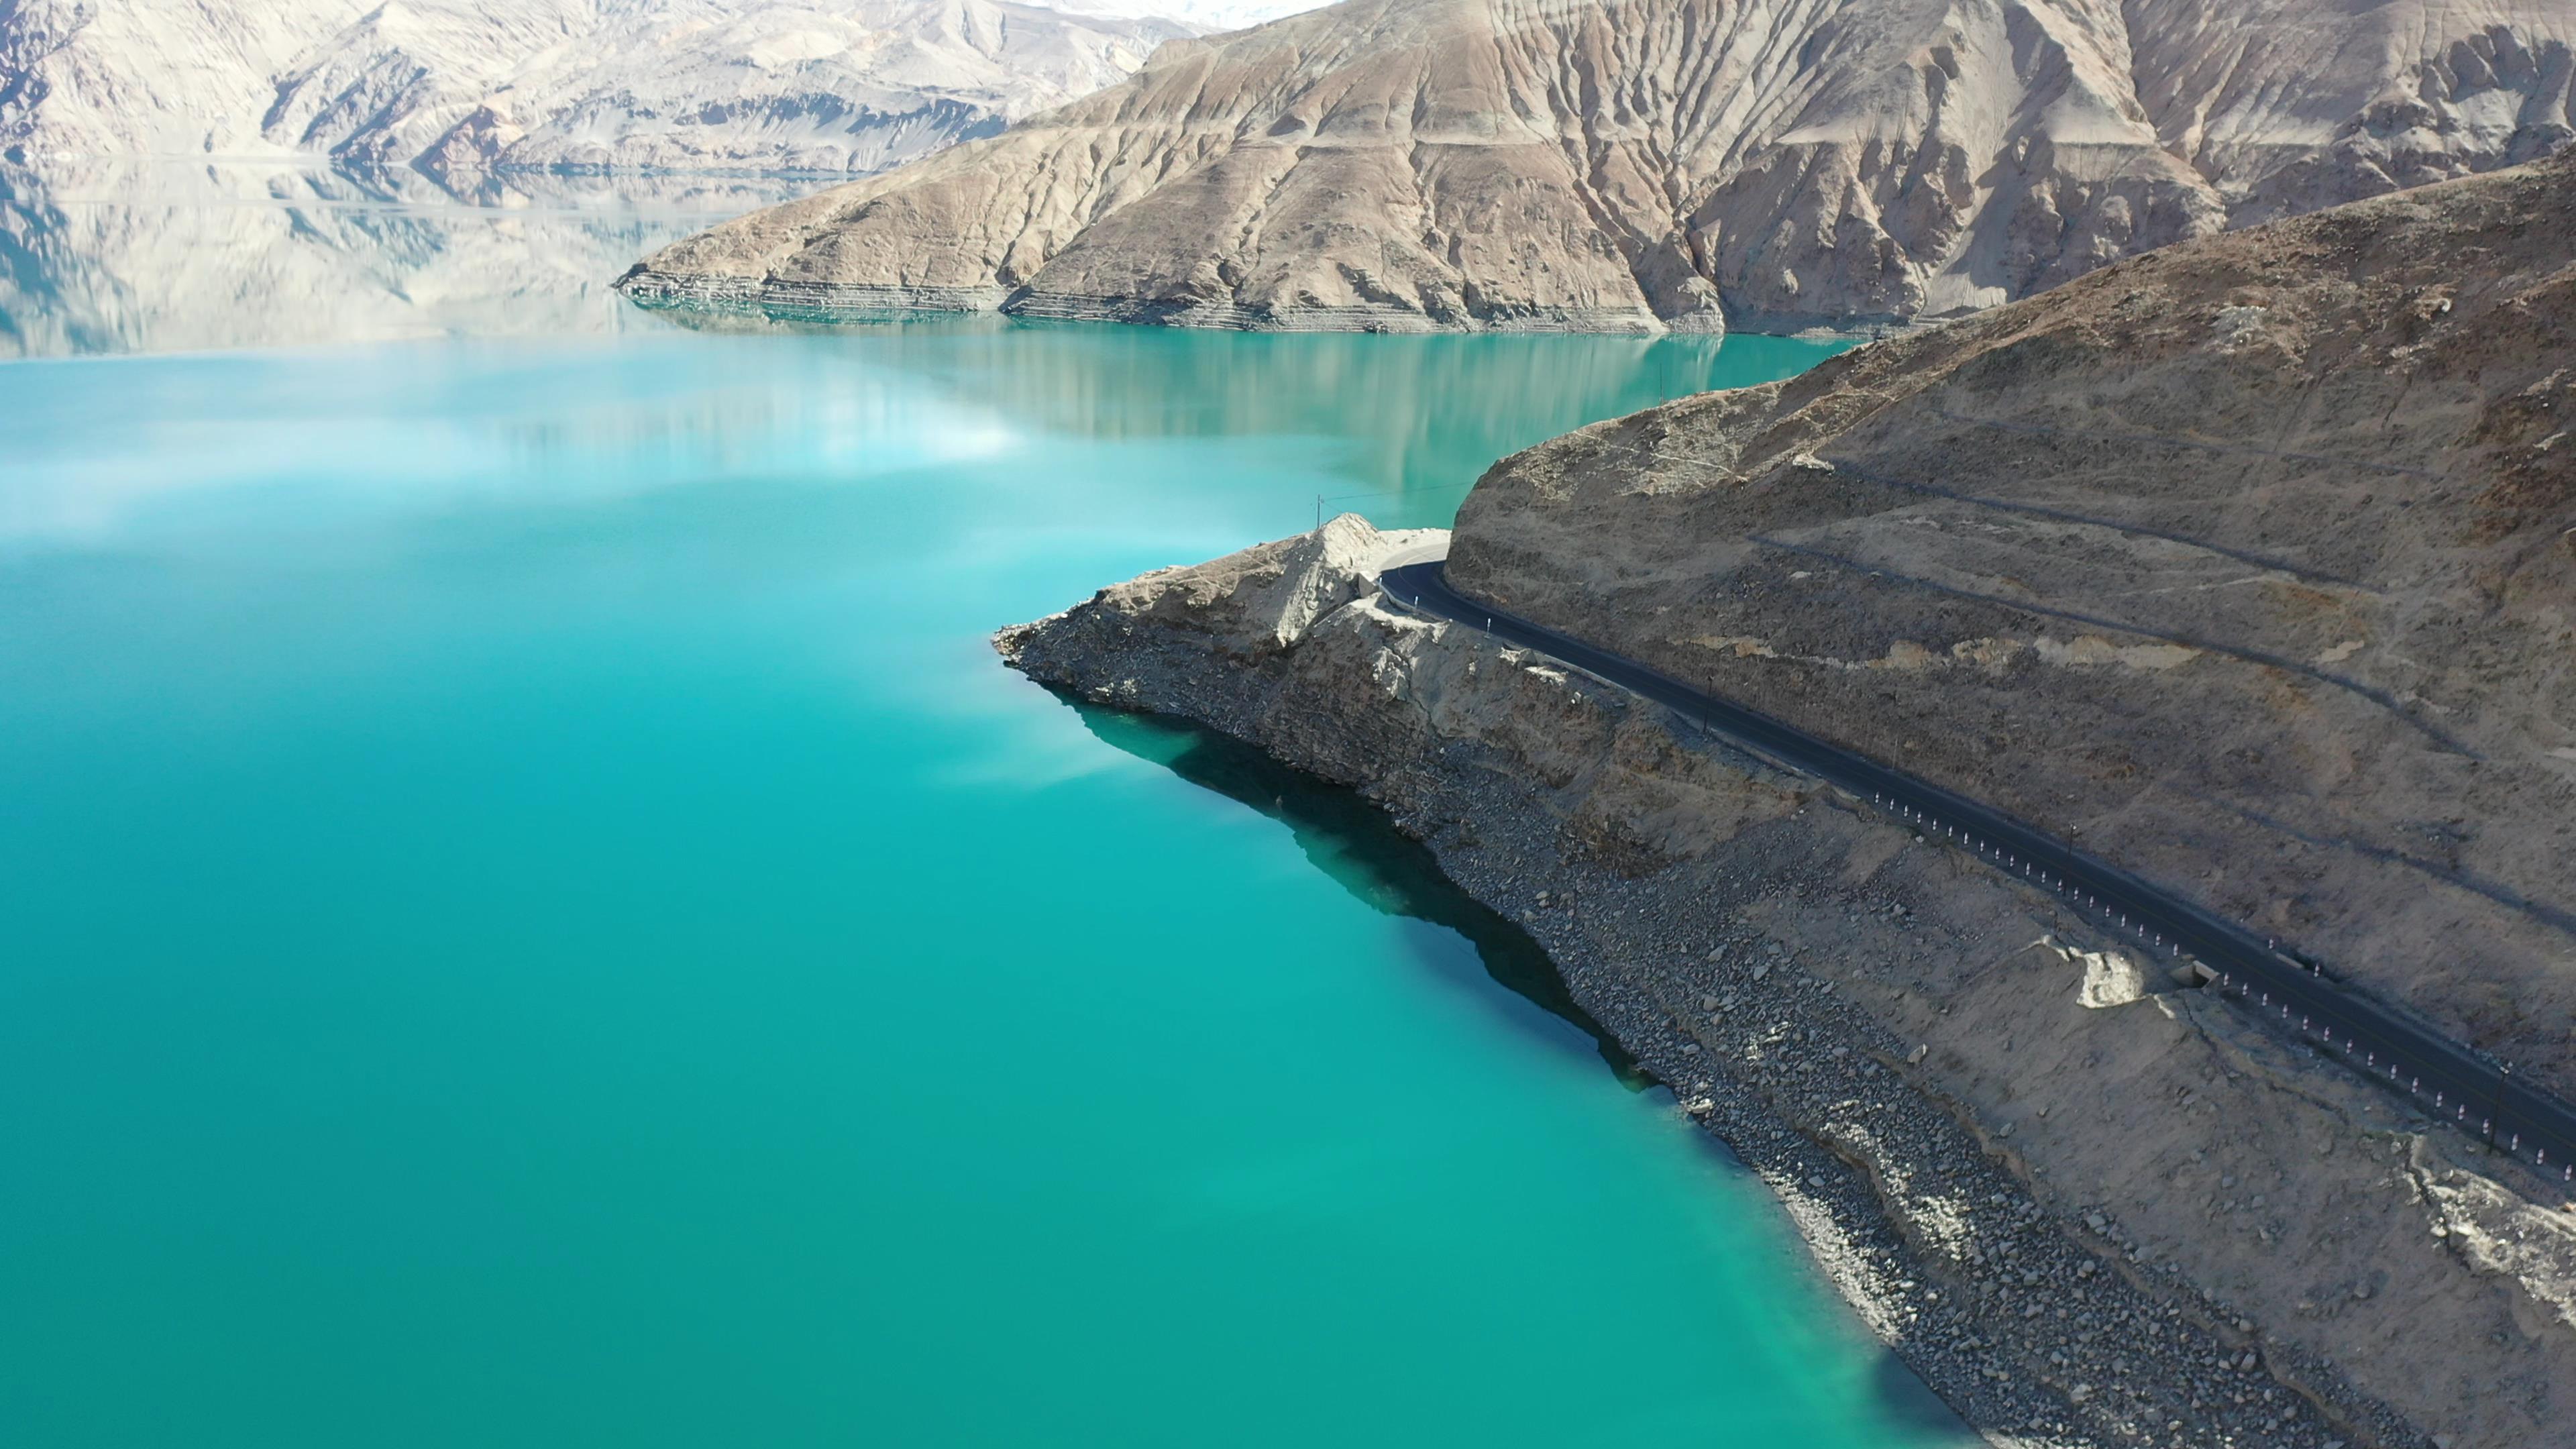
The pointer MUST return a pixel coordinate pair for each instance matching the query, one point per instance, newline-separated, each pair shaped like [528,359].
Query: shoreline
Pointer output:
[1791,968]
[1939,1326]
[1792,1129]
[746,298]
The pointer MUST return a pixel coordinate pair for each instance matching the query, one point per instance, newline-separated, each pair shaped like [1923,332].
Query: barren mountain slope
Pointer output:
[2251,564]
[772,85]
[1658,163]
[77,76]
[838,86]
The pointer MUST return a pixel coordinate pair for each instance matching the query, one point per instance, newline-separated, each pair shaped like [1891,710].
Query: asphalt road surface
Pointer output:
[2444,1078]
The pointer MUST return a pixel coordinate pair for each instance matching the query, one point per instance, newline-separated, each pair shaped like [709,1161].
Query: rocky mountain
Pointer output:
[1648,164]
[193,76]
[777,85]
[2249,565]
[465,86]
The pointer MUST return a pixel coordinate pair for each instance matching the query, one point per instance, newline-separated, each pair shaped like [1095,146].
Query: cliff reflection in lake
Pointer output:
[101,256]
[1417,400]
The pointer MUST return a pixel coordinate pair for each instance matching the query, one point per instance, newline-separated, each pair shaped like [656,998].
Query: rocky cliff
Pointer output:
[2251,565]
[1648,164]
[464,86]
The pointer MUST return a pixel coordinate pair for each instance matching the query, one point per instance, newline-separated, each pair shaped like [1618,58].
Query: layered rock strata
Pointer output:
[2089,1207]
[1652,164]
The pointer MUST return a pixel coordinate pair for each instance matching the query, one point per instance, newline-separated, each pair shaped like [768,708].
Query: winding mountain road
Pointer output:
[2444,1078]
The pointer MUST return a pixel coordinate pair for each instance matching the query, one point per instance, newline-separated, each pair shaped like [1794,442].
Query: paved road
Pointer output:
[2444,1077]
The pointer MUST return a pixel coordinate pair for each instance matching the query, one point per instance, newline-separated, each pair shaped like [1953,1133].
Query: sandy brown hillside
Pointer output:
[1663,163]
[2252,563]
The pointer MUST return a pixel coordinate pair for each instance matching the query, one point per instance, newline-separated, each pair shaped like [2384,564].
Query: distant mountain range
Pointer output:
[833,87]
[1651,164]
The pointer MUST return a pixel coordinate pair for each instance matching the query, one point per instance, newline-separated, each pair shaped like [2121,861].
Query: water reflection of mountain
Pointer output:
[1409,398]
[157,256]
[1421,402]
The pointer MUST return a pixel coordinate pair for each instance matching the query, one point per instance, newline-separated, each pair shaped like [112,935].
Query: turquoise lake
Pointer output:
[532,916]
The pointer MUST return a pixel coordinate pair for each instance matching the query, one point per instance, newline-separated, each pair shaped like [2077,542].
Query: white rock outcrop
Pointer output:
[2111,978]
[1264,599]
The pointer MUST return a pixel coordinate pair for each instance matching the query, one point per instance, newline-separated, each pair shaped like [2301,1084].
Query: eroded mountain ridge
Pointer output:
[1645,164]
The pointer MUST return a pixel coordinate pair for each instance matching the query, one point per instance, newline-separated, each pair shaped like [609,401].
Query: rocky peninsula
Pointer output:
[2252,565]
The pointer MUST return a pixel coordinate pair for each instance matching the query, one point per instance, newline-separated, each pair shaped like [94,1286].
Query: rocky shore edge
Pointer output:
[770,297]
[1736,929]
[799,301]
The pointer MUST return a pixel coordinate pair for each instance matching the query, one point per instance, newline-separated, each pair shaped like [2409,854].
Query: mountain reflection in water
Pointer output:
[161,256]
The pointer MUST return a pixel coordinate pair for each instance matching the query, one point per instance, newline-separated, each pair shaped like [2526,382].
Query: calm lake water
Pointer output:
[533,917]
